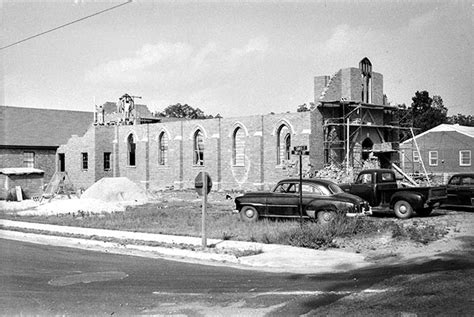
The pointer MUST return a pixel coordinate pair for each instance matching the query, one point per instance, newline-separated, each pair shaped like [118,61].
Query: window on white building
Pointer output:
[29,159]
[465,158]
[198,148]
[433,157]
[416,156]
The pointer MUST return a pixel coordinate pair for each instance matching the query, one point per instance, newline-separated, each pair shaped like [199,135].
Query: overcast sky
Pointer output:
[233,57]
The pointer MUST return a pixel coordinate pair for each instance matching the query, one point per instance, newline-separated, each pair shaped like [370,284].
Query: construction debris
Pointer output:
[115,189]
[337,173]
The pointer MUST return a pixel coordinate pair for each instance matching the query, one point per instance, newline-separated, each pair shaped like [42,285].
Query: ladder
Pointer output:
[60,183]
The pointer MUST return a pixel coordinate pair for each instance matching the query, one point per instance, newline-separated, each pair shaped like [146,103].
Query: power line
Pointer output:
[64,25]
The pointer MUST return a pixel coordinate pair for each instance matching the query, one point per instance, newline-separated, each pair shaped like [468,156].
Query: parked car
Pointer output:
[321,199]
[460,189]
[379,187]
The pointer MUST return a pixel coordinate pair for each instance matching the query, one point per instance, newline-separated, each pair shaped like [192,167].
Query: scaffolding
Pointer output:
[343,124]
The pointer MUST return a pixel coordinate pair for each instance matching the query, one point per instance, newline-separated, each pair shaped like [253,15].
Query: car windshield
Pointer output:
[335,189]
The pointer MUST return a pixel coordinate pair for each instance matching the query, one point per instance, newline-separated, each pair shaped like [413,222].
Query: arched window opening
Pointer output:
[283,144]
[131,145]
[238,147]
[365,67]
[367,146]
[198,148]
[163,149]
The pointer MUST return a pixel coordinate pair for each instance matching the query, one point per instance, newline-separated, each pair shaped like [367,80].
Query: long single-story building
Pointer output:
[445,149]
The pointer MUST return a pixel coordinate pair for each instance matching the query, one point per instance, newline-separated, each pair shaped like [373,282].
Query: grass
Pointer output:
[184,218]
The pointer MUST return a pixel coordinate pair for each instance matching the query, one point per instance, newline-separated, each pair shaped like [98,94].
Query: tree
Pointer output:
[462,120]
[304,107]
[183,111]
[427,112]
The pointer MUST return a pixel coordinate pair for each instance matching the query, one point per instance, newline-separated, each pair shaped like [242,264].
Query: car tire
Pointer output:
[425,212]
[326,216]
[403,209]
[249,213]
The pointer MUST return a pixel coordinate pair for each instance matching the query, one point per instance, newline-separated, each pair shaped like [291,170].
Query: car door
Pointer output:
[465,191]
[284,201]
[364,187]
[452,189]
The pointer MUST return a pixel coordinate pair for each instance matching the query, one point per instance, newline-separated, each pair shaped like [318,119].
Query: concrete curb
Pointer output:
[274,258]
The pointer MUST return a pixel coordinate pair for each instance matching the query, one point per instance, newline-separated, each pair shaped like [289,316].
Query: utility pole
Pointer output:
[300,151]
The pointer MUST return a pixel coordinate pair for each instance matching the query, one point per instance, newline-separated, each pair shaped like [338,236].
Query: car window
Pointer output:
[455,180]
[467,180]
[335,189]
[388,177]
[292,188]
[364,179]
[281,188]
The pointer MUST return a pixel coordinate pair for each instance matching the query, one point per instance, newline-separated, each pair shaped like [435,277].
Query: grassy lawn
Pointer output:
[184,218]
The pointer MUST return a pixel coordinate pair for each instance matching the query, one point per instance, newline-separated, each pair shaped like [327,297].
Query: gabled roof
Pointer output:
[469,131]
[41,127]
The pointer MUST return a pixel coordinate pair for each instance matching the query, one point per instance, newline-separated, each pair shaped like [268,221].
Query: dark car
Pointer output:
[460,189]
[321,200]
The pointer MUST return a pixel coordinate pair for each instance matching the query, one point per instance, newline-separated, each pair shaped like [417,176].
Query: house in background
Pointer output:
[30,137]
[444,150]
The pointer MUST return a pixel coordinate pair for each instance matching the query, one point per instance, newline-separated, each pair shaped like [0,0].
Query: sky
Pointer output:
[232,58]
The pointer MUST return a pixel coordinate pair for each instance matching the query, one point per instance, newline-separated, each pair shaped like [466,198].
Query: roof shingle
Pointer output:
[41,127]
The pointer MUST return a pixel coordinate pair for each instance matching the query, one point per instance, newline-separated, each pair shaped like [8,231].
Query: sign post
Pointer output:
[203,185]
[300,151]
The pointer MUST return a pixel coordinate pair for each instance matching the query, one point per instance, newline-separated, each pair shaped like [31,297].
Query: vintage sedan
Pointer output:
[322,199]
[460,189]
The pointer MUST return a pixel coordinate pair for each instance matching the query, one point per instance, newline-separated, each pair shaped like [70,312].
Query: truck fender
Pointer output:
[414,199]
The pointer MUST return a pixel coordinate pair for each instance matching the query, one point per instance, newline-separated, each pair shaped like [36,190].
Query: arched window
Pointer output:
[365,67]
[163,149]
[131,147]
[198,148]
[238,147]
[283,144]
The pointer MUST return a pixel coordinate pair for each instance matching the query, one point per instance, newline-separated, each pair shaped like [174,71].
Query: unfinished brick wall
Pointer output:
[259,171]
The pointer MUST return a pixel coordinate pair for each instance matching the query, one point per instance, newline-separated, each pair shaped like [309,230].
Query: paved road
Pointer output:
[45,280]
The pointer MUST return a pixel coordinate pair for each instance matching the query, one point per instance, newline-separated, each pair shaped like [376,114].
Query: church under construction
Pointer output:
[350,125]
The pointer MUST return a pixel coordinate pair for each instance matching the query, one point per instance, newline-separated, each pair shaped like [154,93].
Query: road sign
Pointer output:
[199,183]
[300,150]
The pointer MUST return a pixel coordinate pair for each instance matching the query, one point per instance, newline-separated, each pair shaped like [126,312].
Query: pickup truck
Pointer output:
[379,187]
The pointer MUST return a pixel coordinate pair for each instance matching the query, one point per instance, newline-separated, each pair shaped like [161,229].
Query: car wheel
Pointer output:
[425,212]
[249,213]
[326,216]
[403,209]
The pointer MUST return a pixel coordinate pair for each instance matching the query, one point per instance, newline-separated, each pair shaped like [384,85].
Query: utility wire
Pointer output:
[64,25]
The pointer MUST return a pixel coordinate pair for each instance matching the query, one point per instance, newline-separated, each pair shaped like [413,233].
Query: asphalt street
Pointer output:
[48,280]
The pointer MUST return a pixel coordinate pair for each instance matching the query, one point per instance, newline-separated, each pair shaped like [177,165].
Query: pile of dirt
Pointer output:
[115,189]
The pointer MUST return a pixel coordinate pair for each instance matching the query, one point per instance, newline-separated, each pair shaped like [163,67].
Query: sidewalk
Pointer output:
[272,257]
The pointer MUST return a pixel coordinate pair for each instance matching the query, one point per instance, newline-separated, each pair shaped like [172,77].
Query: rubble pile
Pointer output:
[115,189]
[336,173]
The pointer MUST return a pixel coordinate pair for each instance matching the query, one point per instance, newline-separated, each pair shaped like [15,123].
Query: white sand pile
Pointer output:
[113,189]
[74,207]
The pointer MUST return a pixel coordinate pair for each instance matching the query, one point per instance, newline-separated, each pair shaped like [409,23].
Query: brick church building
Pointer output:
[350,124]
